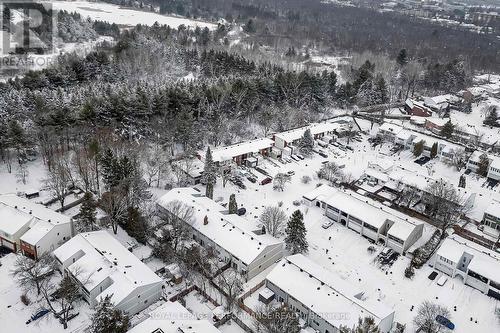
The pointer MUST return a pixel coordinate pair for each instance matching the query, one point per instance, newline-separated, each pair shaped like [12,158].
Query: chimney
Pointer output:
[205,220]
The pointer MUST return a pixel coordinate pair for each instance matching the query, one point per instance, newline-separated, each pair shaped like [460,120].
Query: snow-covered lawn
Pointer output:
[347,251]
[101,11]
[14,314]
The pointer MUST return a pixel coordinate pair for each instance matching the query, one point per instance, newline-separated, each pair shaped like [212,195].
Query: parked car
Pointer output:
[442,280]
[322,153]
[252,179]
[445,322]
[295,157]
[241,211]
[291,173]
[266,181]
[300,156]
[38,315]
[327,224]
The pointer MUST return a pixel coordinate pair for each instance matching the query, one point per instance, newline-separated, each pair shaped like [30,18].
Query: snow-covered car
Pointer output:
[327,224]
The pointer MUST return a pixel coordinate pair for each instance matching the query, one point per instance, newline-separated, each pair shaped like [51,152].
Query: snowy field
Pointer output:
[347,251]
[101,11]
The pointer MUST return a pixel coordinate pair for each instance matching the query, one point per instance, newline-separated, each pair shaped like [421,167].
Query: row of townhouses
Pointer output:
[281,144]
[248,251]
[367,217]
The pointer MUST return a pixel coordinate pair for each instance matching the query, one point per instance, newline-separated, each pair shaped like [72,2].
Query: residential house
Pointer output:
[103,267]
[477,266]
[494,168]
[435,125]
[288,140]
[416,108]
[241,152]
[228,235]
[31,228]
[323,300]
[369,218]
[491,216]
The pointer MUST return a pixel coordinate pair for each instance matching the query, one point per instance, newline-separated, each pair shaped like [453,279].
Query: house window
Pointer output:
[477,276]
[370,227]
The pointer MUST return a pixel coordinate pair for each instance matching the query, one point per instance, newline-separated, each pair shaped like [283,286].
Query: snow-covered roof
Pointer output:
[484,261]
[316,128]
[389,127]
[193,166]
[238,149]
[324,292]
[372,212]
[405,135]
[103,257]
[437,121]
[493,208]
[227,230]
[16,213]
[320,193]
[451,250]
[377,174]
[37,232]
[172,317]
[383,163]
[12,220]
[39,211]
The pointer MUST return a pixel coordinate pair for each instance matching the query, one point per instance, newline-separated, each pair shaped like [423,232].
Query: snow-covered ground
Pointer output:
[125,16]
[347,251]
[14,314]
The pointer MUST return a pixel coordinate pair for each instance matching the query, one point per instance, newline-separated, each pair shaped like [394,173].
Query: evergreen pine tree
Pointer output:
[295,240]
[447,130]
[136,225]
[492,117]
[233,206]
[107,319]
[461,182]
[307,143]
[484,164]
[434,150]
[209,176]
[402,58]
[418,149]
[86,220]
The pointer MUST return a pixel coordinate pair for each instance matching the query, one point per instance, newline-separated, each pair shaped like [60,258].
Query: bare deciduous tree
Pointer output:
[232,283]
[444,203]
[426,317]
[280,181]
[31,273]
[274,219]
[178,217]
[114,203]
[59,179]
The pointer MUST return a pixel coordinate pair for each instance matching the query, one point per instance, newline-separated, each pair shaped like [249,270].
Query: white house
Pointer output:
[494,168]
[102,266]
[321,298]
[227,234]
[370,218]
[242,151]
[172,317]
[31,228]
[477,266]
[318,130]
[491,216]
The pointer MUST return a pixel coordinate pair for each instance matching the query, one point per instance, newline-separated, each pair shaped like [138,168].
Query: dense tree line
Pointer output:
[341,28]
